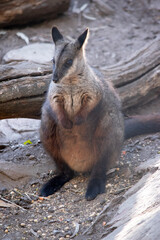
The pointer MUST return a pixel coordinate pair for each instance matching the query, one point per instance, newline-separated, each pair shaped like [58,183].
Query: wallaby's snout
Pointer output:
[55,76]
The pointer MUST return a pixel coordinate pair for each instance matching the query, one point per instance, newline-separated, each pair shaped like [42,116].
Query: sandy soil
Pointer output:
[66,214]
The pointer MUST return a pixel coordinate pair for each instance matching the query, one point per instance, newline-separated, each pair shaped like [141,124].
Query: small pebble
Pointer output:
[89,219]
[51,210]
[102,202]
[66,228]
[104,223]
[51,221]
[28,154]
[139,148]
[56,231]
[31,157]
[22,224]
[154,138]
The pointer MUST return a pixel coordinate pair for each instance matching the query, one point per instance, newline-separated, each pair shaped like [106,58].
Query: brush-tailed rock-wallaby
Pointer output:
[82,126]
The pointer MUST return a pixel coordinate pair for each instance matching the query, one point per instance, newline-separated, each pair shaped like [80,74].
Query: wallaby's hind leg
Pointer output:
[97,180]
[55,183]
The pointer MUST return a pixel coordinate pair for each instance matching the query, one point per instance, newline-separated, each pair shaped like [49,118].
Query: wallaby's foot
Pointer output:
[95,187]
[54,184]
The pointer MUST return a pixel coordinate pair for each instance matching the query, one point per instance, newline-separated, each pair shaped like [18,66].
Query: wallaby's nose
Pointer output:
[55,77]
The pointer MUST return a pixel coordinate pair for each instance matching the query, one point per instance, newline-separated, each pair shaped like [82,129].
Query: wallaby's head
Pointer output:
[69,56]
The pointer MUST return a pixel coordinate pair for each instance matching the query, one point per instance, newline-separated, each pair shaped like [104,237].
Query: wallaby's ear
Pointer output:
[56,35]
[82,38]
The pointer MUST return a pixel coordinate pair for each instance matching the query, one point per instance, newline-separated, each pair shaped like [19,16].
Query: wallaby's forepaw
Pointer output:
[53,185]
[95,187]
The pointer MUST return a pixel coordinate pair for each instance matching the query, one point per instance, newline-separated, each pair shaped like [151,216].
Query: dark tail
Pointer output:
[139,125]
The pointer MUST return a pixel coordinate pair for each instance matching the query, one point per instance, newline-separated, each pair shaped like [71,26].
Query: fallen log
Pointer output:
[16,12]
[23,85]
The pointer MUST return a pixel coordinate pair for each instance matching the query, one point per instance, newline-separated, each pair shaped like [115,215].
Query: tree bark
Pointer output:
[23,85]
[21,12]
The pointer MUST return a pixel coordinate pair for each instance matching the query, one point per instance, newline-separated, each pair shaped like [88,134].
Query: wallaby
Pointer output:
[82,125]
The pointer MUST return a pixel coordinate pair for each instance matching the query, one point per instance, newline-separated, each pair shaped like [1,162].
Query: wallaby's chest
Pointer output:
[77,148]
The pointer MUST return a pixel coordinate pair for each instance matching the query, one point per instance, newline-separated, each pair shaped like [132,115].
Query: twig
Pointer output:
[23,37]
[21,194]
[76,230]
[32,194]
[88,17]
[121,190]
[97,29]
[28,196]
[34,233]
[16,191]
[108,231]
[5,200]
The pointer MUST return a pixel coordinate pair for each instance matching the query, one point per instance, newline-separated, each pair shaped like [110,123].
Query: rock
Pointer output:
[56,231]
[138,217]
[139,148]
[14,129]
[22,225]
[14,175]
[32,157]
[37,52]
[3,146]
[154,137]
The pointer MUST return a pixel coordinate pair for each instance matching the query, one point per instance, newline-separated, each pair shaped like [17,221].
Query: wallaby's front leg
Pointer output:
[81,115]
[97,179]
[89,105]
[55,183]
[59,114]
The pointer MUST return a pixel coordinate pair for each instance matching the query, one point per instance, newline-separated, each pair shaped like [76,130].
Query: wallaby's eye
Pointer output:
[68,63]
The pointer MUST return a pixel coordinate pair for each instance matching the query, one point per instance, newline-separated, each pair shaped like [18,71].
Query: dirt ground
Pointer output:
[66,215]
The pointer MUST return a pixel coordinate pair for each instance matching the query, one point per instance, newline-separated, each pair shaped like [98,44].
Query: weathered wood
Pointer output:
[22,89]
[136,217]
[141,91]
[138,65]
[23,85]
[138,78]
[20,12]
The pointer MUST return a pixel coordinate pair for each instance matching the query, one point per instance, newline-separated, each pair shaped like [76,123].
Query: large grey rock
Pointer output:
[19,163]
[15,175]
[14,129]
[138,217]
[37,52]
